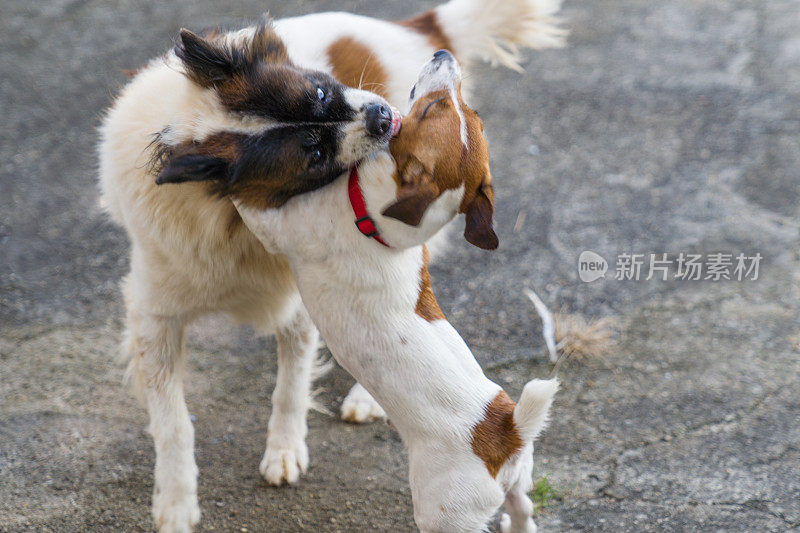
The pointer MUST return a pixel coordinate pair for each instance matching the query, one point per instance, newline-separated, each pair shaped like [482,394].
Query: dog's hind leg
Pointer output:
[360,407]
[286,456]
[155,344]
[518,517]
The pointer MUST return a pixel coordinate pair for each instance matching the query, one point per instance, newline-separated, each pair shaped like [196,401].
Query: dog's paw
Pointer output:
[284,464]
[508,526]
[360,407]
[175,514]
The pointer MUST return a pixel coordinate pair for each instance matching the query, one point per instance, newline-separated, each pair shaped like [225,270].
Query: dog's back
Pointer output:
[384,57]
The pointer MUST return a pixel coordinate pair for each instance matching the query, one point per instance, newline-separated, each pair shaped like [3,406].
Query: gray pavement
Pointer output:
[664,127]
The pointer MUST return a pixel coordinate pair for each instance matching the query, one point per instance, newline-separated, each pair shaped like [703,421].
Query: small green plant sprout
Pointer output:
[542,494]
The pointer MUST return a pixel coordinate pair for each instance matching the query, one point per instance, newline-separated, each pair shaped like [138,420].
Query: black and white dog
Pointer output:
[258,115]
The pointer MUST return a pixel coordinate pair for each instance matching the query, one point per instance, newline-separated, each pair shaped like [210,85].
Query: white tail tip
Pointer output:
[496,30]
[533,409]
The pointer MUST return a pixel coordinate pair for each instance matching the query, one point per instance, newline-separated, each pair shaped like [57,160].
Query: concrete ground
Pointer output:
[664,127]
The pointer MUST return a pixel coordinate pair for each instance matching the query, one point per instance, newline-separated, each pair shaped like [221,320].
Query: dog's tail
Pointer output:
[495,30]
[533,409]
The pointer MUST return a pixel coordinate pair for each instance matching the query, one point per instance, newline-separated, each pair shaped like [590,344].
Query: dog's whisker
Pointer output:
[364,70]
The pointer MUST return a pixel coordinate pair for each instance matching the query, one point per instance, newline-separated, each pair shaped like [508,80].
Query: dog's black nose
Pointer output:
[441,54]
[379,119]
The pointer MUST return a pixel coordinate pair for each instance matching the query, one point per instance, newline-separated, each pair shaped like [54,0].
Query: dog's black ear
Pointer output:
[265,44]
[479,213]
[194,167]
[210,62]
[416,193]
[207,63]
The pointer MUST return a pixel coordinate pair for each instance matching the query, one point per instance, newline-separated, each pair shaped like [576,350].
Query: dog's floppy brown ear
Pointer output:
[479,213]
[417,191]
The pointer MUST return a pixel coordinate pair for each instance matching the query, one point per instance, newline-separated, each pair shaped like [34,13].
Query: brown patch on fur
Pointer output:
[254,76]
[220,146]
[247,75]
[218,161]
[356,66]
[479,213]
[427,306]
[428,25]
[431,159]
[210,60]
[259,170]
[235,223]
[496,438]
[415,193]
[130,72]
[431,137]
[245,91]
[266,45]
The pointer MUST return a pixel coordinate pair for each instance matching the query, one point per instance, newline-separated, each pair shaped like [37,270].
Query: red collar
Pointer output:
[364,222]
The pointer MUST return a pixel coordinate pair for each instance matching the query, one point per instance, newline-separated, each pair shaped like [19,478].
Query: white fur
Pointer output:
[400,50]
[362,297]
[185,262]
[531,413]
[443,76]
[382,193]
[462,121]
[494,30]
[359,406]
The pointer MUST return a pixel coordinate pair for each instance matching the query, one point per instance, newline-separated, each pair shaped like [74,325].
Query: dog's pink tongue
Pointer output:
[397,122]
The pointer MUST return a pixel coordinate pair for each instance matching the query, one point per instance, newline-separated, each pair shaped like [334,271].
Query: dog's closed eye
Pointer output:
[425,112]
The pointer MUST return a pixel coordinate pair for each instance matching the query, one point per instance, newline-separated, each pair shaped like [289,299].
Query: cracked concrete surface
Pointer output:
[664,127]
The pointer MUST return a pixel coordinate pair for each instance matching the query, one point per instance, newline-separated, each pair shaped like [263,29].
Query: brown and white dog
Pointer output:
[470,447]
[267,118]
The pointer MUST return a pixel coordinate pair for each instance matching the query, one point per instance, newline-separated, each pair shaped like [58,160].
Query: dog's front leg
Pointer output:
[286,456]
[157,367]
